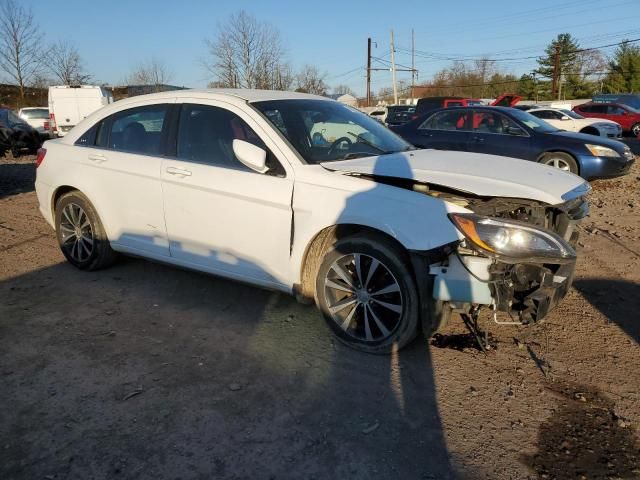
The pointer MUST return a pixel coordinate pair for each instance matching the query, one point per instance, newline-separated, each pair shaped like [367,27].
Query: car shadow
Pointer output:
[616,299]
[16,178]
[150,371]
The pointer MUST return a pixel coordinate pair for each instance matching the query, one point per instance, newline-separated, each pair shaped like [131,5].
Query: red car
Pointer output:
[626,116]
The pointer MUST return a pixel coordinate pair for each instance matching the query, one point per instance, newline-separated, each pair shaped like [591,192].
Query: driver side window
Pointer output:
[206,135]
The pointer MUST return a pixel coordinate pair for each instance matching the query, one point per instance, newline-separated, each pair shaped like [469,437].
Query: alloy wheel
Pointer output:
[76,232]
[363,297]
[558,163]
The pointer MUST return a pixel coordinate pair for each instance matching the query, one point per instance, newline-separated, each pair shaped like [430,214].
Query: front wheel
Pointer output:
[367,295]
[560,160]
[80,233]
[636,130]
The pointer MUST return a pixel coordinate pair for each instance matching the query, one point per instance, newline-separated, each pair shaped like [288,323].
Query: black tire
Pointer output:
[401,327]
[100,254]
[550,158]
[635,130]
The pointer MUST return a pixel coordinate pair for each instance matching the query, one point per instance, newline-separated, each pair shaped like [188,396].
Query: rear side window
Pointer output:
[454,120]
[206,135]
[545,114]
[615,110]
[137,130]
[595,109]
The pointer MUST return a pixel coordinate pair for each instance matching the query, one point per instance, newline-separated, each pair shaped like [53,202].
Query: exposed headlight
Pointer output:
[512,242]
[599,151]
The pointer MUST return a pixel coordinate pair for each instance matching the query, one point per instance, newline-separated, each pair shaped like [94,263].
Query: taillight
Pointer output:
[40,158]
[52,122]
[46,125]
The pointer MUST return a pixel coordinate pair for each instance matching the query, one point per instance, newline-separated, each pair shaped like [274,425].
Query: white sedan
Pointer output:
[573,122]
[305,195]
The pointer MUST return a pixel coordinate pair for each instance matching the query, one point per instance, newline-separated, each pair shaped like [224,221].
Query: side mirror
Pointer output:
[516,131]
[251,156]
[565,117]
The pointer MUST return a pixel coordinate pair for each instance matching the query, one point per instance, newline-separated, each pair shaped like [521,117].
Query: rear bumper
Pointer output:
[603,167]
[45,193]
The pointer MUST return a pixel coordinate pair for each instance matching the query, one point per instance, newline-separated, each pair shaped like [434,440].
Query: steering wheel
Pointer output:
[338,142]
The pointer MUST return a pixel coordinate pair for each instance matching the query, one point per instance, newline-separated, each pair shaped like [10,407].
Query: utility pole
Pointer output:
[369,72]
[556,72]
[413,61]
[393,71]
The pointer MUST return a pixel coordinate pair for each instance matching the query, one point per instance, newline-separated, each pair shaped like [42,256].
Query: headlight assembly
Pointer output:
[511,241]
[600,151]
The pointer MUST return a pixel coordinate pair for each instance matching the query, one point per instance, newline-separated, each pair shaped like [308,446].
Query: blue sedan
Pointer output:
[513,133]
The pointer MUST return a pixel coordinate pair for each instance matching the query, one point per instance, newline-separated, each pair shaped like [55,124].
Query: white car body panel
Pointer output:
[469,172]
[239,224]
[576,124]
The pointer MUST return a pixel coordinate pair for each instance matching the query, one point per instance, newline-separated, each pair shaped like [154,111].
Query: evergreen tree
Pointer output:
[624,70]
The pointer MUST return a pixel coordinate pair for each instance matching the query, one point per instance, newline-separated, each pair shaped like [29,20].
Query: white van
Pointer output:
[70,104]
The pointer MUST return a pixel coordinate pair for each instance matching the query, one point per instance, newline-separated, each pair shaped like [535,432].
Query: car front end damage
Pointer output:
[517,257]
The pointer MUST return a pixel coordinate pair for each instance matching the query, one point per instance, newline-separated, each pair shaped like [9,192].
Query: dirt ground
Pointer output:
[144,371]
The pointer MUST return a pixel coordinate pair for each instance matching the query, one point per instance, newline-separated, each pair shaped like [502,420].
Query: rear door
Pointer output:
[445,130]
[124,155]
[496,134]
[619,114]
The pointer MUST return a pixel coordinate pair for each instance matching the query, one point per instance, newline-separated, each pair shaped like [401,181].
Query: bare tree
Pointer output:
[248,54]
[20,44]
[66,65]
[153,72]
[310,80]
[343,90]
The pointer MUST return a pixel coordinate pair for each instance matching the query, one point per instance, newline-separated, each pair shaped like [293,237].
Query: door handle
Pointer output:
[96,157]
[478,139]
[178,171]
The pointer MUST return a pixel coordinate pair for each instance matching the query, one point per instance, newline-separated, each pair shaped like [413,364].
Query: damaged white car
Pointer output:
[303,194]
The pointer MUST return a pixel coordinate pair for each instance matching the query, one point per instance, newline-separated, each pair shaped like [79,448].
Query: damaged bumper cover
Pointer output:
[527,292]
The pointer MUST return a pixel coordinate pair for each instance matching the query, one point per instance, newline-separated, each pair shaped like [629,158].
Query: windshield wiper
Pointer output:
[367,142]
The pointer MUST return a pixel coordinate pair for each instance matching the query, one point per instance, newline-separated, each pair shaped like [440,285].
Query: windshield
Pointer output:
[534,123]
[572,114]
[324,130]
[39,113]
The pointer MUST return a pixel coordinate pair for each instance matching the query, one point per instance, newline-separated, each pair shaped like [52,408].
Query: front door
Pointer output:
[222,216]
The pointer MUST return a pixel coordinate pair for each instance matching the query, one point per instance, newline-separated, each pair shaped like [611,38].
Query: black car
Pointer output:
[514,133]
[16,135]
[399,114]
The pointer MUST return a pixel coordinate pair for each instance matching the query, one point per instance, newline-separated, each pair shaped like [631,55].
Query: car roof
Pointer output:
[247,95]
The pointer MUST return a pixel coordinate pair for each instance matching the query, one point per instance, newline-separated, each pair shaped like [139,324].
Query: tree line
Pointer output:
[579,73]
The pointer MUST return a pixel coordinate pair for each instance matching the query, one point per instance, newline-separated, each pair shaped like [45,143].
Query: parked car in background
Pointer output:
[630,99]
[428,104]
[574,122]
[38,118]
[16,135]
[626,116]
[513,133]
[379,114]
[399,239]
[69,104]
[399,114]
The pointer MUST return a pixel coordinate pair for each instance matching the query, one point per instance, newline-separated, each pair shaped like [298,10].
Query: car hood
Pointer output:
[584,138]
[475,173]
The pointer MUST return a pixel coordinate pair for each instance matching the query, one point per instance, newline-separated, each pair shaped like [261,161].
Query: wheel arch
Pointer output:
[590,130]
[313,253]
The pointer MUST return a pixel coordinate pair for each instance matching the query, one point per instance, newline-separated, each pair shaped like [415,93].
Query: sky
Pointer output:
[113,37]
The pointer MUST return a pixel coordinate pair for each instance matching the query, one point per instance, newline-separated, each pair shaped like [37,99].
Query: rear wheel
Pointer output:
[366,292]
[80,233]
[636,130]
[560,160]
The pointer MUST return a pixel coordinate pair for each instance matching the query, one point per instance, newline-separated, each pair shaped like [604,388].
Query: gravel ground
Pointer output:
[146,371]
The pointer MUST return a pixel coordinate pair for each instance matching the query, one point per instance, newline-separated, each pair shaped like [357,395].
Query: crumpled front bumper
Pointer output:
[527,292]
